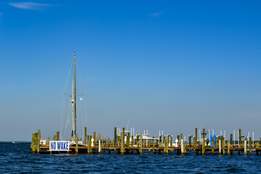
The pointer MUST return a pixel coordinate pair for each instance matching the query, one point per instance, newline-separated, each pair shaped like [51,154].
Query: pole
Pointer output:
[74,135]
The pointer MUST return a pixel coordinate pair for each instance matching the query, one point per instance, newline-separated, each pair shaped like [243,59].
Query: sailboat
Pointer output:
[60,145]
[57,145]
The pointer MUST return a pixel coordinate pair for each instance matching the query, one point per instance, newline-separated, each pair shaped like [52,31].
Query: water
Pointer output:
[16,158]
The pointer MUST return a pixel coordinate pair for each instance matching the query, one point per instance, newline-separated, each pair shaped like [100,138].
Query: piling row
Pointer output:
[126,142]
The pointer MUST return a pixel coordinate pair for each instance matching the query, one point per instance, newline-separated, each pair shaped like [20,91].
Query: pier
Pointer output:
[126,142]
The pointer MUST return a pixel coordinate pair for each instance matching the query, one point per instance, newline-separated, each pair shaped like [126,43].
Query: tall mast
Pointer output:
[74,135]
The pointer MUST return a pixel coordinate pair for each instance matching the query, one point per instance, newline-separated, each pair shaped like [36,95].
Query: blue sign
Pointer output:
[59,146]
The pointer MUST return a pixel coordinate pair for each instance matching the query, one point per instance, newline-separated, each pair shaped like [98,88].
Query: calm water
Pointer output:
[16,158]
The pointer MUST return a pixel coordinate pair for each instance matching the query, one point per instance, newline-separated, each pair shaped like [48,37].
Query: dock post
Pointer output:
[182,146]
[56,136]
[132,140]
[219,145]
[190,141]
[223,145]
[195,143]
[89,144]
[231,139]
[140,144]
[85,136]
[171,143]
[166,145]
[94,139]
[213,146]
[115,137]
[203,141]
[35,146]
[99,146]
[228,148]
[38,140]
[157,146]
[128,140]
[122,149]
[170,140]
[230,144]
[239,137]
[250,143]
[245,147]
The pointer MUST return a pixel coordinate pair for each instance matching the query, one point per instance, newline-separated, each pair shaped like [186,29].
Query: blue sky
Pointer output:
[154,64]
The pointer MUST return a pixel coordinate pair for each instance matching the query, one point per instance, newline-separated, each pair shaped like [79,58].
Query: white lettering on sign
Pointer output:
[59,146]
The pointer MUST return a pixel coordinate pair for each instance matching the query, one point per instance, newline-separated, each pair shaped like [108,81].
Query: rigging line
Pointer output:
[67,120]
[81,114]
[64,121]
[64,115]
[79,120]
[80,110]
[83,109]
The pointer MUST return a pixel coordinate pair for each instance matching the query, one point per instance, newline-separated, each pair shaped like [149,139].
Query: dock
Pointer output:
[124,142]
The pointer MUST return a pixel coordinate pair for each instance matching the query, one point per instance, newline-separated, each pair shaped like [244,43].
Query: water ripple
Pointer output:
[16,158]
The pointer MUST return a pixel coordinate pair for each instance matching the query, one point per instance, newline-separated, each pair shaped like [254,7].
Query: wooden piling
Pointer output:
[190,141]
[245,147]
[166,145]
[195,143]
[122,149]
[128,140]
[94,138]
[170,140]
[115,136]
[182,147]
[223,145]
[85,136]
[38,140]
[240,137]
[132,141]
[228,148]
[99,146]
[139,140]
[219,145]
[56,136]
[89,144]
[231,139]
[203,141]
[35,145]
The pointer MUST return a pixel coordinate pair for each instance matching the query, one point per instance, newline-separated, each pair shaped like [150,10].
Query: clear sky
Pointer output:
[154,64]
